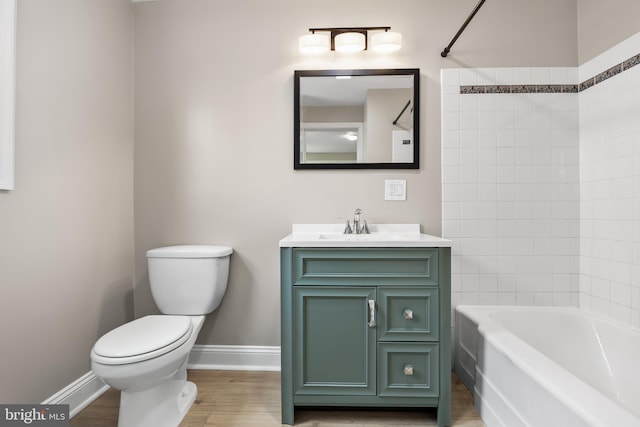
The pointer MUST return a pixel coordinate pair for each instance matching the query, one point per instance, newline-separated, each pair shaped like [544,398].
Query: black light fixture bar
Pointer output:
[339,30]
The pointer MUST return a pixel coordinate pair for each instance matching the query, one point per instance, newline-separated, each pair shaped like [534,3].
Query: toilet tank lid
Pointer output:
[190,251]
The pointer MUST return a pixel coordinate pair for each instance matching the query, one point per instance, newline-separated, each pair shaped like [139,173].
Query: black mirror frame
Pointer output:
[415,72]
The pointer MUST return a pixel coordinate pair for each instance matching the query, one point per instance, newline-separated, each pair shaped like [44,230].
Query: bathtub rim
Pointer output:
[576,394]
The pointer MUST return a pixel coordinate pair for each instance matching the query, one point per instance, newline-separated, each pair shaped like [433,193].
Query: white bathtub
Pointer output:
[547,366]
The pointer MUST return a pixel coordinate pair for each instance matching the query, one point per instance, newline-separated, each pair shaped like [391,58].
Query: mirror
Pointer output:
[356,119]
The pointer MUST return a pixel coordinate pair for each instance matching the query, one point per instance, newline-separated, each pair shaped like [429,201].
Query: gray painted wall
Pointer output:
[66,232]
[213,149]
[603,24]
[214,129]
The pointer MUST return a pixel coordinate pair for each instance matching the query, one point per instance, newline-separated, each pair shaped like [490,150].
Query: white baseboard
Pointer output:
[79,394]
[235,357]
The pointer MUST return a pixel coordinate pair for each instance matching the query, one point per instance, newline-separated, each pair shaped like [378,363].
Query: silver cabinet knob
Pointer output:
[408,370]
[407,314]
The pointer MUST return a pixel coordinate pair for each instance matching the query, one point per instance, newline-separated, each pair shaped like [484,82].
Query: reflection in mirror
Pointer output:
[356,119]
[338,142]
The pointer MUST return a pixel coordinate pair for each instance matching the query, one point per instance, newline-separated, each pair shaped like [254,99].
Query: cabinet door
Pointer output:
[334,346]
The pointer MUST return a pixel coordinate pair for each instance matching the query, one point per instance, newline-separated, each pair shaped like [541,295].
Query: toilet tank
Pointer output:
[188,279]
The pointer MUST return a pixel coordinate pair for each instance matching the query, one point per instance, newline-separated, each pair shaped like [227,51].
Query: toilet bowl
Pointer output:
[146,359]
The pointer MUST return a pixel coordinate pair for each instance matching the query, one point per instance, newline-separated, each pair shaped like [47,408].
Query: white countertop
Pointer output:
[382,236]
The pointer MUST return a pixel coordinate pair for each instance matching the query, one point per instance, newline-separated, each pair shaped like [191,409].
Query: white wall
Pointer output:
[510,185]
[541,192]
[610,186]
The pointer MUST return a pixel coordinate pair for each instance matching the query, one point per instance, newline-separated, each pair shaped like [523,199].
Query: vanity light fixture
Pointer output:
[389,41]
[350,40]
[313,43]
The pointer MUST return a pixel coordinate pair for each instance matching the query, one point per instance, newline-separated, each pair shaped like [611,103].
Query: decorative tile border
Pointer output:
[565,88]
[613,71]
[465,90]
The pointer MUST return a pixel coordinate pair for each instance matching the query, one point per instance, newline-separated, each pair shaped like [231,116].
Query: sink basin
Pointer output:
[382,235]
[367,237]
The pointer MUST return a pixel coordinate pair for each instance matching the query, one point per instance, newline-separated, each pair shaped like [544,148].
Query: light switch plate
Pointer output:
[395,189]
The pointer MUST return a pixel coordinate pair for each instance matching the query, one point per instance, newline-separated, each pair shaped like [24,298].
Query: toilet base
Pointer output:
[164,405]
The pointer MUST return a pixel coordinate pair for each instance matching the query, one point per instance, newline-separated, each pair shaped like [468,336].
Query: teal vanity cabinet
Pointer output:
[366,327]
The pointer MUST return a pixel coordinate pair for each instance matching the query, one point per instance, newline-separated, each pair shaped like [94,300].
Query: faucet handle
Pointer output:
[365,228]
[347,228]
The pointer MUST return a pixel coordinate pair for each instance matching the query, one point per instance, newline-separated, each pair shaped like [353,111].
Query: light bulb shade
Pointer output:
[313,43]
[350,42]
[388,41]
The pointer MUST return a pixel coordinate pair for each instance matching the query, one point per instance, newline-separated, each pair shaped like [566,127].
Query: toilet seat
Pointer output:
[142,339]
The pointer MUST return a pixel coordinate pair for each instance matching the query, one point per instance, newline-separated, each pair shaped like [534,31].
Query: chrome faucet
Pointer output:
[359,225]
[356,221]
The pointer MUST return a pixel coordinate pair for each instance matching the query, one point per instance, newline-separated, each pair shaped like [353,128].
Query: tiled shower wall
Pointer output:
[610,184]
[541,184]
[511,184]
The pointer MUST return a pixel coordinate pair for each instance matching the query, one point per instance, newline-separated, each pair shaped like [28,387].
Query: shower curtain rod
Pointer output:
[447,49]
[395,122]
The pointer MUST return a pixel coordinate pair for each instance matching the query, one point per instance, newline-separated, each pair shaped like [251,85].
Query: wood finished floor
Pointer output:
[252,399]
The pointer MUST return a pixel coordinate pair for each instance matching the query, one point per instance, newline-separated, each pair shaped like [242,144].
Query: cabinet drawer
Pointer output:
[370,266]
[407,314]
[408,369]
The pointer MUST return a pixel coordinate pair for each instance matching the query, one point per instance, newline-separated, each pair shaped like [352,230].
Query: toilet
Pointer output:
[146,359]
